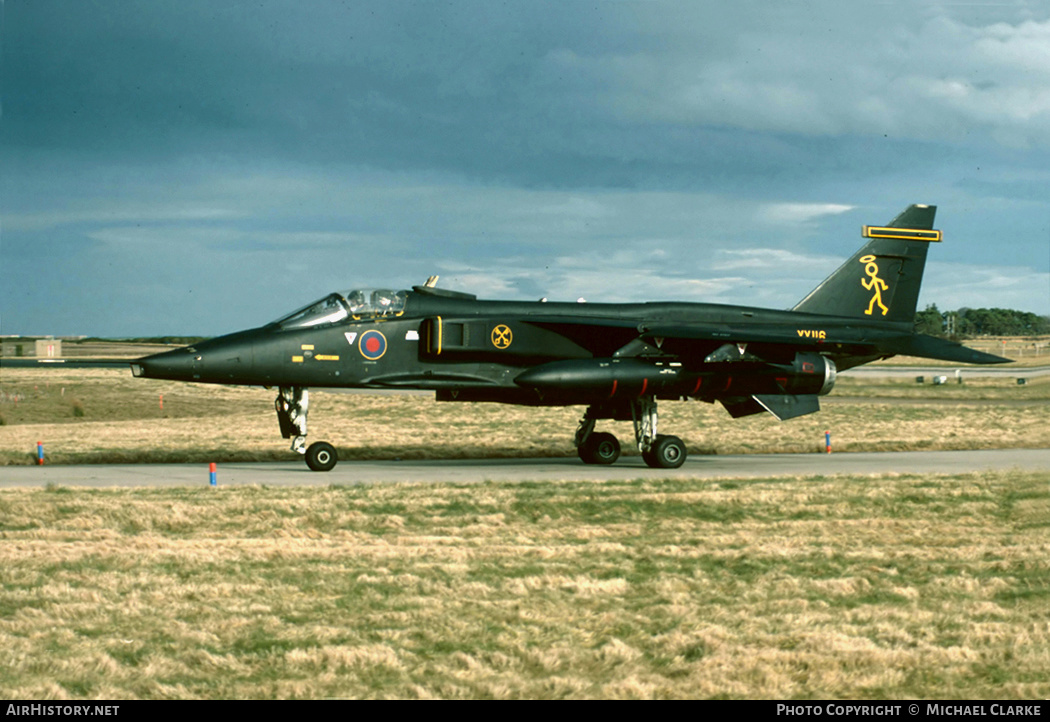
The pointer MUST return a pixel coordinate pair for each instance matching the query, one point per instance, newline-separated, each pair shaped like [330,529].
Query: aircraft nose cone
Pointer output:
[179,365]
[227,359]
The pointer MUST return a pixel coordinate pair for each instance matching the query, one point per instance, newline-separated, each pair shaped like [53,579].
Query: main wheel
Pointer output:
[321,456]
[667,452]
[600,448]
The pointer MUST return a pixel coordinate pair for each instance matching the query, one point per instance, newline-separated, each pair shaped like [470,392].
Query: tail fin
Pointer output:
[881,281]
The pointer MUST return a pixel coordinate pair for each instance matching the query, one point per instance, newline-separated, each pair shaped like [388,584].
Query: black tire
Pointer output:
[600,448]
[321,456]
[667,452]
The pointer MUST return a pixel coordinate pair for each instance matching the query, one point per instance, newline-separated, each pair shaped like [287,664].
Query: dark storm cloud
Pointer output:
[565,94]
[193,156]
[391,84]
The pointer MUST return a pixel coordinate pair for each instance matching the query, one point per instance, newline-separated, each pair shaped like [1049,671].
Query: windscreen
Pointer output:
[330,309]
[357,305]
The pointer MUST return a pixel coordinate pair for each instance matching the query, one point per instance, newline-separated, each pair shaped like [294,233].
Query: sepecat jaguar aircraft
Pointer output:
[617,360]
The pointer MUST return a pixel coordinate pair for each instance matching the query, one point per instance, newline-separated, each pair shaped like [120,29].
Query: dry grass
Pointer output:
[880,587]
[120,420]
[972,389]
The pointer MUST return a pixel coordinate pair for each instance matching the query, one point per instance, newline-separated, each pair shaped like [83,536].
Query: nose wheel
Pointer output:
[321,456]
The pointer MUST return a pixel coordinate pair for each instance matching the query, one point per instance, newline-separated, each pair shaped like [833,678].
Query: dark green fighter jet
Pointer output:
[617,360]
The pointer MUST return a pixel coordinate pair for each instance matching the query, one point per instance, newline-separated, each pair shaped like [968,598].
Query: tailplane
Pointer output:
[881,281]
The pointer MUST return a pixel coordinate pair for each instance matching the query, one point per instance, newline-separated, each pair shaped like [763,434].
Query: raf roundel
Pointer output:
[372,345]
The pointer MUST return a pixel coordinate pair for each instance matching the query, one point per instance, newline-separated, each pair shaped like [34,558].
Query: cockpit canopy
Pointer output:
[361,304]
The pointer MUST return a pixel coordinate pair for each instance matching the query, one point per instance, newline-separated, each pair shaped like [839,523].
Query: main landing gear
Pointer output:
[292,405]
[658,451]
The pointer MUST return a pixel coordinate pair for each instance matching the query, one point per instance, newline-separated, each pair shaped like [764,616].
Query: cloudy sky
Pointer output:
[197,167]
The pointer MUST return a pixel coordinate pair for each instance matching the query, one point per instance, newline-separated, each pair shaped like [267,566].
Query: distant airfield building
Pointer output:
[38,348]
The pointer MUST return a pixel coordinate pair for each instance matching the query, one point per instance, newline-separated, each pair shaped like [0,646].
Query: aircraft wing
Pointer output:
[724,333]
[854,341]
[625,338]
[602,337]
[606,337]
[773,343]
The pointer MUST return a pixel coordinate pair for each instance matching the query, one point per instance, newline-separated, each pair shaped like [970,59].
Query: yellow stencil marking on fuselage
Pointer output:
[502,336]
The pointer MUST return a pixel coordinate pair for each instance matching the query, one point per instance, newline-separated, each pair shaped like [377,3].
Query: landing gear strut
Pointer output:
[292,405]
[658,451]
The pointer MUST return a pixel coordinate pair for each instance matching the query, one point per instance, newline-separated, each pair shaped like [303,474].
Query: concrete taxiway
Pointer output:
[750,466]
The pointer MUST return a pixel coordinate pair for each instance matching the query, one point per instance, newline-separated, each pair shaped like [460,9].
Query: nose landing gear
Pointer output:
[292,405]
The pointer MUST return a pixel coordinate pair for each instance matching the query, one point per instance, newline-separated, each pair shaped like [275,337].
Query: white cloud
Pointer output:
[783,262]
[866,71]
[173,237]
[958,285]
[117,212]
[798,213]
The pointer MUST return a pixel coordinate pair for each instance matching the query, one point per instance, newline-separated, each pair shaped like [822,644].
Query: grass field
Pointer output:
[94,416]
[826,588]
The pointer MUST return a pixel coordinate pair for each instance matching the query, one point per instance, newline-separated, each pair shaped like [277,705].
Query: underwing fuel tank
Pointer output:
[807,374]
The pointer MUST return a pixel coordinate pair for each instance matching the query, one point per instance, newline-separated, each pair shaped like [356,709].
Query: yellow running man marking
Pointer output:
[874,283]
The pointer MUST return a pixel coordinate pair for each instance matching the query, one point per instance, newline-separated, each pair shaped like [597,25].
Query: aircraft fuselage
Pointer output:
[442,343]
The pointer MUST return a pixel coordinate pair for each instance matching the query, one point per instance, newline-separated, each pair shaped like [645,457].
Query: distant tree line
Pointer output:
[969,322]
[180,340]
